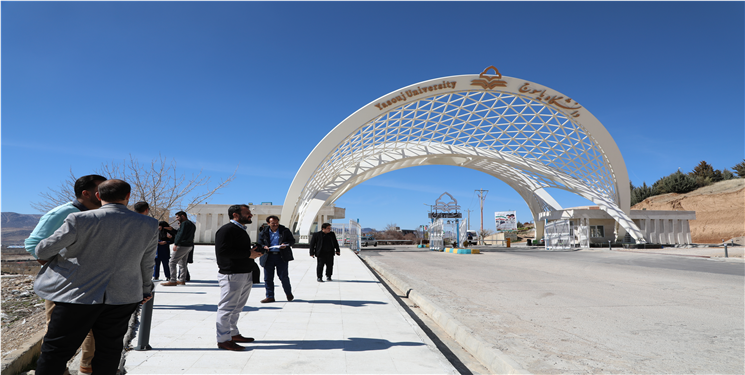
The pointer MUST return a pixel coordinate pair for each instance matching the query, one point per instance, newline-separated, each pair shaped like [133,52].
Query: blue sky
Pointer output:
[259,84]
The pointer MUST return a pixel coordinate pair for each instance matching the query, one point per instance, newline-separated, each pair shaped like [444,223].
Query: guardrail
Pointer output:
[393,242]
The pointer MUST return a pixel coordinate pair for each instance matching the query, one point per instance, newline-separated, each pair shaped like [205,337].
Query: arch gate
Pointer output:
[525,134]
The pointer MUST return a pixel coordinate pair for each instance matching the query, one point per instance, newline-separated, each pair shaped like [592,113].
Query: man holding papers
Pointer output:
[277,240]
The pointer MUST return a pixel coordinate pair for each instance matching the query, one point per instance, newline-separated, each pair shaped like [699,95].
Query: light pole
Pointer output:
[482,196]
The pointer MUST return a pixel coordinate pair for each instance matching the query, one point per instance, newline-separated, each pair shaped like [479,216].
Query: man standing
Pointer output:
[235,260]
[85,199]
[97,272]
[183,244]
[277,241]
[322,246]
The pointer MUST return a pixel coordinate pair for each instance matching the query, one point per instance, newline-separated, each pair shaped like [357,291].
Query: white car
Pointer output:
[367,241]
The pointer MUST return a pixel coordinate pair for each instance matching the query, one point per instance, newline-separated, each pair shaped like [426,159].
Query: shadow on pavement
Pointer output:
[343,303]
[353,344]
[204,307]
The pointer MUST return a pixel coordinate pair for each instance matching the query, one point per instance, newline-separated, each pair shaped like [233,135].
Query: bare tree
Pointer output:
[392,232]
[159,184]
[485,233]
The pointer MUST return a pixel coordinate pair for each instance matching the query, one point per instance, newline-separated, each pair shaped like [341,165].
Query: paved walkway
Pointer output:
[348,326]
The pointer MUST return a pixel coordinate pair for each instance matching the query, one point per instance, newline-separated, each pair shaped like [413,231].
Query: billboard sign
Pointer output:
[506,220]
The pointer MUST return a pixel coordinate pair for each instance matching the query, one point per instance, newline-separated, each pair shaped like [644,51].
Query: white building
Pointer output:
[210,217]
[590,224]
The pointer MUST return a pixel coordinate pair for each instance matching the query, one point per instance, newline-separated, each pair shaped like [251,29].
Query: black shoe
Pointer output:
[328,278]
[320,280]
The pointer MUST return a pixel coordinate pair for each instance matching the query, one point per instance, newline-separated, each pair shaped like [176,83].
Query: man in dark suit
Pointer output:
[276,241]
[97,272]
[235,262]
[322,246]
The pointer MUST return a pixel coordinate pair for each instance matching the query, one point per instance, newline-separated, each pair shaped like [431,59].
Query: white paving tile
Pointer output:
[350,325]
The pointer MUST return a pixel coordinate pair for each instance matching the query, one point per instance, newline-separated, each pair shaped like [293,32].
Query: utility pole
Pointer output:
[482,196]
[469,219]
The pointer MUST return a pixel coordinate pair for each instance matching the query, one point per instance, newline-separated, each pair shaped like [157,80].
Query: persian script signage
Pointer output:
[445,215]
[559,101]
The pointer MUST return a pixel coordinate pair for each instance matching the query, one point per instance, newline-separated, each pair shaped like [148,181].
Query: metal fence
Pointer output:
[558,235]
[355,234]
[436,232]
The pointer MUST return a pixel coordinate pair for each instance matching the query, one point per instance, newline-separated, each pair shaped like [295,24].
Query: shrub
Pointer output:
[640,193]
[739,168]
[677,182]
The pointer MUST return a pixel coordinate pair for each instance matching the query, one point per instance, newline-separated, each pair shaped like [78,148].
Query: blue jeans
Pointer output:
[274,260]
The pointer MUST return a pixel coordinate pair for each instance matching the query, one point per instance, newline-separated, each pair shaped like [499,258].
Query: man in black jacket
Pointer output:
[276,241]
[322,246]
[235,260]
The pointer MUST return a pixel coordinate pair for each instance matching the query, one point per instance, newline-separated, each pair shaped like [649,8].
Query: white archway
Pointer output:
[527,135]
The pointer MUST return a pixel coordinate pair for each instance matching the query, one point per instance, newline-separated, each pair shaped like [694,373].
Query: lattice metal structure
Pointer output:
[527,135]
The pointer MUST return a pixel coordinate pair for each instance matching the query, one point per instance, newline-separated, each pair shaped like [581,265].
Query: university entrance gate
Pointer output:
[525,134]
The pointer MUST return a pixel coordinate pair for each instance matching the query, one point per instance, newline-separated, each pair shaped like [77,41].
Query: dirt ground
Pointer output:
[22,311]
[720,210]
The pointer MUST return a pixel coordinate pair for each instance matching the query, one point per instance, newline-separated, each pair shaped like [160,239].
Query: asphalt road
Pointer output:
[590,311]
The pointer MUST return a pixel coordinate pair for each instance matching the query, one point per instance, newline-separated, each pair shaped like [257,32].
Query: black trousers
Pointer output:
[70,323]
[325,260]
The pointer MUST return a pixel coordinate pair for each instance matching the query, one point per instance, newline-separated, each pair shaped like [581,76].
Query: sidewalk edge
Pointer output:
[22,357]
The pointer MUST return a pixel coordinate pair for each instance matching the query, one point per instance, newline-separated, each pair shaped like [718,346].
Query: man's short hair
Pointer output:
[325,225]
[141,207]
[235,209]
[114,190]
[180,213]
[272,217]
[86,183]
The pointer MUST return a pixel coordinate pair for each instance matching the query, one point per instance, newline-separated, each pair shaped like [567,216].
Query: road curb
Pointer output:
[493,359]
[18,359]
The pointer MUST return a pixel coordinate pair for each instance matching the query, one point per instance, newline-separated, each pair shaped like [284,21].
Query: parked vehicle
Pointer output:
[472,237]
[367,241]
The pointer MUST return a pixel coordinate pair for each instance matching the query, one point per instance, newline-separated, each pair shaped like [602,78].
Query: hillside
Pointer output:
[720,210]
[16,227]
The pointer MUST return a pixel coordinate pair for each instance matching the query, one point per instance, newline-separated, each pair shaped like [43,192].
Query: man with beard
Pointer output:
[235,260]
[277,241]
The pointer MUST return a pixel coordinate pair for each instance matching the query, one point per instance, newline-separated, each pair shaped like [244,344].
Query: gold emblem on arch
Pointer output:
[489,82]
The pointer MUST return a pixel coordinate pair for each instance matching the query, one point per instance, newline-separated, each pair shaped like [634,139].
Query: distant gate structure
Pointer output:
[525,134]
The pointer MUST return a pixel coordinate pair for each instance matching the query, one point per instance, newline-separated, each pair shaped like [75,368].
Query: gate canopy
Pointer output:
[527,135]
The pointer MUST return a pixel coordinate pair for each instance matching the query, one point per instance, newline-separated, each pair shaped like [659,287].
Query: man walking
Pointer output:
[183,244]
[276,241]
[235,262]
[85,189]
[97,272]
[322,246]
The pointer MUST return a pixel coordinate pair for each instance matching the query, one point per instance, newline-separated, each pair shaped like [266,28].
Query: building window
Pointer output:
[596,231]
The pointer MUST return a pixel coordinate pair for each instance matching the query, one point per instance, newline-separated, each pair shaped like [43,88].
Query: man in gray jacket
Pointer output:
[98,270]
